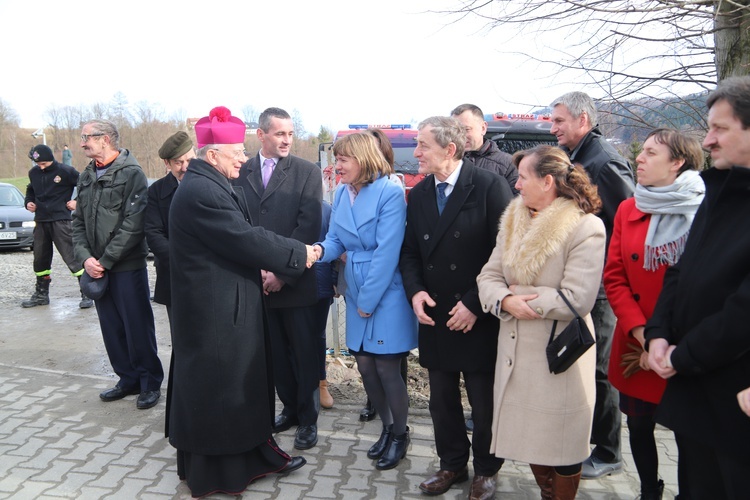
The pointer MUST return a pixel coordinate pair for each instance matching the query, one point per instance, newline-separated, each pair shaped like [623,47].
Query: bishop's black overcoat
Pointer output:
[222,399]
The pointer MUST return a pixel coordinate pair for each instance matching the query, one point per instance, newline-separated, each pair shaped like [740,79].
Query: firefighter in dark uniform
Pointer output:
[48,195]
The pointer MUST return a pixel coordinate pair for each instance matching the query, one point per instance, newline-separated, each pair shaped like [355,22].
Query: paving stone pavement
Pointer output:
[58,440]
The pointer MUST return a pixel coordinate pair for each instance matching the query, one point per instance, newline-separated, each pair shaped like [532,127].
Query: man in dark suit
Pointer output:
[451,226]
[284,195]
[177,151]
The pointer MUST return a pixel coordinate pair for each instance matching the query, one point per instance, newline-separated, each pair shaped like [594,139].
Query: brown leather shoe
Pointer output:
[326,400]
[443,480]
[482,488]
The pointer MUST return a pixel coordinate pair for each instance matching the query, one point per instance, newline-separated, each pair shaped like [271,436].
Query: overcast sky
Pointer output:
[335,61]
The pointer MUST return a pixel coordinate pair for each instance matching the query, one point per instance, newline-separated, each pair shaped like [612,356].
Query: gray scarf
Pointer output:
[672,210]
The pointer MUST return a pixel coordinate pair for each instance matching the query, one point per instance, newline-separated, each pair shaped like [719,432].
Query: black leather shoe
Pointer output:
[294,464]
[284,422]
[116,393]
[376,450]
[395,451]
[147,399]
[368,412]
[306,437]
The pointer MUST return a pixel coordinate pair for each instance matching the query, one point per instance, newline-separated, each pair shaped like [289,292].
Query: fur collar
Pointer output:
[528,242]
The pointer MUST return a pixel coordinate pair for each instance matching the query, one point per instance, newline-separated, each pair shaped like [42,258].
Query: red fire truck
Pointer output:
[511,133]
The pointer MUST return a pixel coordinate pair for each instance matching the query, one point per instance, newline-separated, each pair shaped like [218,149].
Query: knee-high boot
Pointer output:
[543,475]
[565,487]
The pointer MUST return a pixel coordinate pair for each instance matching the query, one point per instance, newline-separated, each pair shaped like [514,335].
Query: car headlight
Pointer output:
[28,223]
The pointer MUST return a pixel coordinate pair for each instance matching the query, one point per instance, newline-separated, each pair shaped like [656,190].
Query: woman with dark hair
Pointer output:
[368,221]
[650,231]
[550,243]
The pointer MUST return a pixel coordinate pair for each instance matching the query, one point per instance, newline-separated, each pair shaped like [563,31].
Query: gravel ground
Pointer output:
[79,331]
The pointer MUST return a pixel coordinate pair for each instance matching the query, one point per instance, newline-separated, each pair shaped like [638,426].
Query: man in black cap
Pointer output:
[177,151]
[48,195]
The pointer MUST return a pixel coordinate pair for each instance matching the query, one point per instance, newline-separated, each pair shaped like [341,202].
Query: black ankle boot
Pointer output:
[394,452]
[654,494]
[376,451]
[368,412]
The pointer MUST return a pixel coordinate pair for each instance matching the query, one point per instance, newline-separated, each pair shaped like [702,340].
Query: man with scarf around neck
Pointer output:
[649,235]
[698,336]
[220,406]
[108,237]
[574,124]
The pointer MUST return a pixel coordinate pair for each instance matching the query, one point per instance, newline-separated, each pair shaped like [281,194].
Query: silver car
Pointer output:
[16,223]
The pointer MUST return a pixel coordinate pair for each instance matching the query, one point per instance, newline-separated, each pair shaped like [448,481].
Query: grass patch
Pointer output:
[19,182]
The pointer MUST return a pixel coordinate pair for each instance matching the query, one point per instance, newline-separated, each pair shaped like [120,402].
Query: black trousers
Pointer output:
[127,323]
[605,432]
[321,320]
[60,233]
[704,473]
[296,372]
[447,414]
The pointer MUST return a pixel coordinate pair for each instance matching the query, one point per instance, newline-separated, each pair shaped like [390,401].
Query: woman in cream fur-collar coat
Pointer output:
[549,240]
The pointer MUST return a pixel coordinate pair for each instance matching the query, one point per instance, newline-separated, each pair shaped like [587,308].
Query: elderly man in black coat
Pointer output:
[451,225]
[222,400]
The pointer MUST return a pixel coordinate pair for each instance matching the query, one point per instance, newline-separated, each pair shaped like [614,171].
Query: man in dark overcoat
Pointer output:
[451,226]
[284,195]
[176,152]
[221,404]
[698,336]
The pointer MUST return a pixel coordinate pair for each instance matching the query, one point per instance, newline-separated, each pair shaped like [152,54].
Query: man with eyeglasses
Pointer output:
[220,402]
[109,240]
[284,195]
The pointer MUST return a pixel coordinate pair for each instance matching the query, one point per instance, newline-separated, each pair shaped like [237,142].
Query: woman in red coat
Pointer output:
[649,235]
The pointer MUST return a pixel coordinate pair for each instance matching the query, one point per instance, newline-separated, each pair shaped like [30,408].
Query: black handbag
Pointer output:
[573,341]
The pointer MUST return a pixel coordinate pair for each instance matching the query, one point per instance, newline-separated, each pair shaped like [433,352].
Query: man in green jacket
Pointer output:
[109,239]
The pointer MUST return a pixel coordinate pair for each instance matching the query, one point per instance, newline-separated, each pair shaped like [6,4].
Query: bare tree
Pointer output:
[628,49]
[9,123]
[250,113]
[299,127]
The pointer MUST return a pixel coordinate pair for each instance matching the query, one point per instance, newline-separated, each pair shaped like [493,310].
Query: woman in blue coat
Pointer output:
[368,221]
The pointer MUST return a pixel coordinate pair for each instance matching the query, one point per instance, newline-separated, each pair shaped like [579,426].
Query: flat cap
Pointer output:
[94,288]
[175,146]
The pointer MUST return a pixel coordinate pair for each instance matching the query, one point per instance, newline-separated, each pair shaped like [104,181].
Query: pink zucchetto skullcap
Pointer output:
[219,127]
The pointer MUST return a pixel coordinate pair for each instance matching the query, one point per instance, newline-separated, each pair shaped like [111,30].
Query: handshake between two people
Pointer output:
[314,254]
